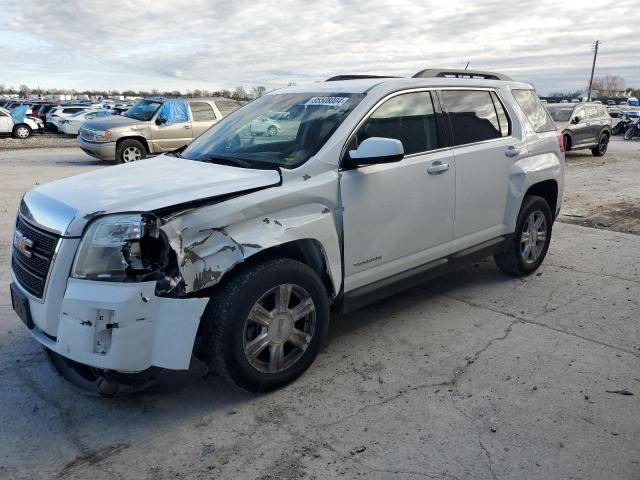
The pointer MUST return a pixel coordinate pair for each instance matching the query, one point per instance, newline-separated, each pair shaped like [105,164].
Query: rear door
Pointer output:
[202,117]
[484,151]
[594,123]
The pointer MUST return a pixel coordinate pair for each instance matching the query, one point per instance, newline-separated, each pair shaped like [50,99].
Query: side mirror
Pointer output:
[576,120]
[161,121]
[376,150]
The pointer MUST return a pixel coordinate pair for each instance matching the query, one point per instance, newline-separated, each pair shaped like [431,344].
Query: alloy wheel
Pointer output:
[131,154]
[533,237]
[279,328]
[602,146]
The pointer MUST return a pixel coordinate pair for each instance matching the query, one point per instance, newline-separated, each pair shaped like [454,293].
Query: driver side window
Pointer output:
[409,117]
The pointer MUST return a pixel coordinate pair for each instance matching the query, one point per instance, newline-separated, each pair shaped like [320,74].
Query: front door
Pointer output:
[398,216]
[170,135]
[581,131]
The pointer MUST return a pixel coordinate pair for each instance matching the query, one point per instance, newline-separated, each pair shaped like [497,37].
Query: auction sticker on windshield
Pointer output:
[328,101]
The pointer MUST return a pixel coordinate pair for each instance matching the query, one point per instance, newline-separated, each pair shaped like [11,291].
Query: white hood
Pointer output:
[145,185]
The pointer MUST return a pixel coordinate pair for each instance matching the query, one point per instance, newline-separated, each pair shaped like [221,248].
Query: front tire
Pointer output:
[601,149]
[21,131]
[531,239]
[266,324]
[629,134]
[130,151]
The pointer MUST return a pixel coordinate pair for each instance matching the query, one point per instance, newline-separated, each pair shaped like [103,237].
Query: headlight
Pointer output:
[120,247]
[102,135]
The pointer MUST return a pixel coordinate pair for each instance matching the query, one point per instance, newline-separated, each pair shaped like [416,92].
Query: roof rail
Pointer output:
[459,73]
[355,77]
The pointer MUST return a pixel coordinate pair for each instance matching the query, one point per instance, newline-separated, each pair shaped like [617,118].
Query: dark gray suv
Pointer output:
[583,125]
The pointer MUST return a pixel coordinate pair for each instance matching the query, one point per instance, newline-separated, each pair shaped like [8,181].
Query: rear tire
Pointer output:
[21,131]
[529,238]
[567,143]
[130,151]
[629,134]
[255,340]
[601,149]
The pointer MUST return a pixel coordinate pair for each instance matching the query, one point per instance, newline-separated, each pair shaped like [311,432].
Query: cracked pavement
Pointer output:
[472,376]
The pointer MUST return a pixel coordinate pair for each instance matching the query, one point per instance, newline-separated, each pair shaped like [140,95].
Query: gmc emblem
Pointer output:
[22,244]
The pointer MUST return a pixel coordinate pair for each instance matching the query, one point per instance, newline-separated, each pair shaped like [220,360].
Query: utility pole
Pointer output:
[593,67]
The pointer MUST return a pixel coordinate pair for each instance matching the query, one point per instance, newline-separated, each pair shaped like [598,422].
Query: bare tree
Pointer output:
[608,86]
[23,90]
[258,91]
[225,93]
[239,93]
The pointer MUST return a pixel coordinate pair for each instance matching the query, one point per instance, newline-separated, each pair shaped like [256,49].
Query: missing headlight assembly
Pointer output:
[122,247]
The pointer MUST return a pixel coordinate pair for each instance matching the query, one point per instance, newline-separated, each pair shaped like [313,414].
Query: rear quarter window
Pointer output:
[534,111]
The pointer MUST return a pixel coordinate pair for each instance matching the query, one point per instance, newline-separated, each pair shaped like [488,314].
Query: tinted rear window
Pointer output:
[533,109]
[473,116]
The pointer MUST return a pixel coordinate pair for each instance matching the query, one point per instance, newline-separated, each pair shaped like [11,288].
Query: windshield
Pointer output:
[143,110]
[560,114]
[283,130]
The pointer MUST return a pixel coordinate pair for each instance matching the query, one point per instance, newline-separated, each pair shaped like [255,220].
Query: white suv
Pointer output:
[236,247]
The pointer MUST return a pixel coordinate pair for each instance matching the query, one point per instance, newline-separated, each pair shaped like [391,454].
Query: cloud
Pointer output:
[145,44]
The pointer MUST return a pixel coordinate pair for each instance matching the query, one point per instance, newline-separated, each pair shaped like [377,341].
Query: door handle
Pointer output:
[187,127]
[437,167]
[588,124]
[512,151]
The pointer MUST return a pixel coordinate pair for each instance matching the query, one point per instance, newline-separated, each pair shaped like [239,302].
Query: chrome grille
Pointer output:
[87,135]
[32,271]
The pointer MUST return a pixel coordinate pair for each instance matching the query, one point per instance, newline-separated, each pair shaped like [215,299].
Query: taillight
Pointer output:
[561,141]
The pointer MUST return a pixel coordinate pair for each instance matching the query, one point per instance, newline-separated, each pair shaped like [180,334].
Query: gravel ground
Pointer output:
[604,192]
[37,140]
[473,376]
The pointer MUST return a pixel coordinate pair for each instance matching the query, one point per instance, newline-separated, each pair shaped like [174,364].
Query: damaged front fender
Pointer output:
[205,254]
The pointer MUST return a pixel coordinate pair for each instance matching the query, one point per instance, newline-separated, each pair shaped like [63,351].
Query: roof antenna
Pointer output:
[467,65]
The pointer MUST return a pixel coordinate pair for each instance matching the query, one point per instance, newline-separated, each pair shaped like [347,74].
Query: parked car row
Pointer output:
[21,126]
[62,118]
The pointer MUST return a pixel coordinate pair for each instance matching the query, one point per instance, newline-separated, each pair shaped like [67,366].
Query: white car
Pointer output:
[22,129]
[70,125]
[263,125]
[235,248]
[56,115]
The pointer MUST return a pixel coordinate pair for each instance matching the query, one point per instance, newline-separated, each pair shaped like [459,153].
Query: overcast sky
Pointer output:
[120,44]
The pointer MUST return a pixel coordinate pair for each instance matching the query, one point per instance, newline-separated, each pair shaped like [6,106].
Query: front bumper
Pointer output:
[121,326]
[103,151]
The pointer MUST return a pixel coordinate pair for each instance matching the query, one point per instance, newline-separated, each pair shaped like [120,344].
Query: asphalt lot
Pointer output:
[476,375]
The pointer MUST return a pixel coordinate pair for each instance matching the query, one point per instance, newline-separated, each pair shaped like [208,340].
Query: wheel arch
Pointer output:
[547,189]
[567,135]
[139,138]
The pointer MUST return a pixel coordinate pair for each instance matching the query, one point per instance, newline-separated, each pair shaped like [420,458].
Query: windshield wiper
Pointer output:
[234,162]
